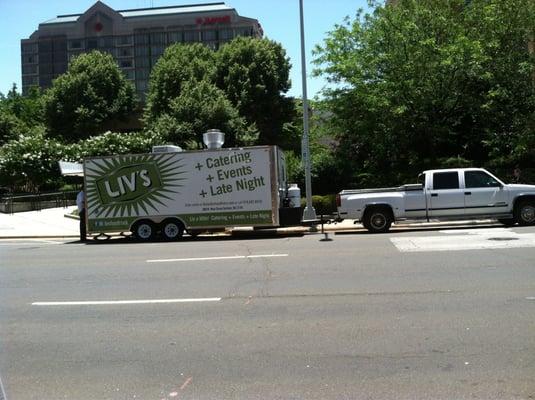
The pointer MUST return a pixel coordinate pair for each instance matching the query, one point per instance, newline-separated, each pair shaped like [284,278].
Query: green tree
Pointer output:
[111,143]
[424,81]
[29,163]
[19,113]
[10,127]
[91,92]
[199,107]
[254,74]
[28,108]
[179,64]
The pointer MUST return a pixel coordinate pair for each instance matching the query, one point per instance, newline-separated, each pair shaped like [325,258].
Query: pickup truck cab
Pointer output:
[444,194]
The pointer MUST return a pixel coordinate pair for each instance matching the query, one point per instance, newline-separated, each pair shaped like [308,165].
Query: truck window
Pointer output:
[421,179]
[479,179]
[445,180]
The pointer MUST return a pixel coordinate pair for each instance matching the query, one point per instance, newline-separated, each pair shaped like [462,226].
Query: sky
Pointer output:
[279,19]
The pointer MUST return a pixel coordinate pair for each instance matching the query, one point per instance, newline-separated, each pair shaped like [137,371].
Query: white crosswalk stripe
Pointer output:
[470,239]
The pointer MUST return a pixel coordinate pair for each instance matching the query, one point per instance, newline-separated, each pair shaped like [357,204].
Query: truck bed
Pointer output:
[403,188]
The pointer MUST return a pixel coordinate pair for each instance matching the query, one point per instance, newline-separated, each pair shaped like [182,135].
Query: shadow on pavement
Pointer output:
[256,235]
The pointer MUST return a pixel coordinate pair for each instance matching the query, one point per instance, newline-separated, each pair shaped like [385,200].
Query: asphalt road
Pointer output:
[408,315]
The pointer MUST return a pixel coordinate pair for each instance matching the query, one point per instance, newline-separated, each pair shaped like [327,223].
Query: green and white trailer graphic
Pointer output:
[168,193]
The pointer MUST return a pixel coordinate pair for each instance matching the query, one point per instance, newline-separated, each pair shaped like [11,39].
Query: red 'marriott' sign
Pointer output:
[225,19]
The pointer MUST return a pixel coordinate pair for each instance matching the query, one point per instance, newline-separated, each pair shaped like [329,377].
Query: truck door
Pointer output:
[484,194]
[445,197]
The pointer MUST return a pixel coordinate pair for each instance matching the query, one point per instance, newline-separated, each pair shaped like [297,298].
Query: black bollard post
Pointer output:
[326,237]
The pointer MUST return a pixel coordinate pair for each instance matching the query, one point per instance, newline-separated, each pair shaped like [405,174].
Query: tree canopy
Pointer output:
[91,92]
[199,107]
[180,63]
[247,79]
[423,81]
[254,74]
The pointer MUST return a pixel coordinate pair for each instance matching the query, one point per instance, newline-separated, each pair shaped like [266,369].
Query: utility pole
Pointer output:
[309,214]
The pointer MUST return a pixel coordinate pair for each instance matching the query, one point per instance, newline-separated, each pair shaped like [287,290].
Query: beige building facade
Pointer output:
[136,38]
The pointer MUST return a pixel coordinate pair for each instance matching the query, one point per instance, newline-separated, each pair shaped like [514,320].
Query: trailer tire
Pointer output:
[144,230]
[378,219]
[525,212]
[172,229]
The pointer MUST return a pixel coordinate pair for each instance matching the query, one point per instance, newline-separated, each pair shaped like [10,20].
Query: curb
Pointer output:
[303,230]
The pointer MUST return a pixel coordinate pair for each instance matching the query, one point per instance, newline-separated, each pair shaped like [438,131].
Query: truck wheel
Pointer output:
[144,230]
[378,220]
[525,212]
[172,229]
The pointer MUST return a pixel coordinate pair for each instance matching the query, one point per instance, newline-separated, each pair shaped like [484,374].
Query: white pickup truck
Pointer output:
[445,194]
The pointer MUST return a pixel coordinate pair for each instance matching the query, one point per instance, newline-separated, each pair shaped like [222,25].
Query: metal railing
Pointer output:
[36,202]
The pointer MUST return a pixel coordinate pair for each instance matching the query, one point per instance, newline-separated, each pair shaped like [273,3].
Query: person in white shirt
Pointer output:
[80,203]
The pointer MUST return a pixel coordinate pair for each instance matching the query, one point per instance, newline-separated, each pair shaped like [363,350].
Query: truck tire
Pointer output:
[172,229]
[377,219]
[144,230]
[525,212]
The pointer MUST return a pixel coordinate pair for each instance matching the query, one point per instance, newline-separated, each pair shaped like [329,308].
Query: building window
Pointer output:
[141,86]
[208,36]
[45,46]
[105,42]
[75,44]
[30,59]
[143,62]
[30,80]
[45,58]
[141,38]
[29,48]
[142,73]
[92,44]
[158,38]
[226,34]
[29,69]
[191,36]
[126,64]
[129,74]
[125,52]
[142,50]
[157,50]
[244,32]
[124,40]
[175,37]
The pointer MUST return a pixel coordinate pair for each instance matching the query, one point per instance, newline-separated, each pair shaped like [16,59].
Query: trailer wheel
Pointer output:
[144,230]
[172,229]
[377,219]
[525,212]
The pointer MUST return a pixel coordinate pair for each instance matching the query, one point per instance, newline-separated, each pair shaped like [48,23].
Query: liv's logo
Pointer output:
[129,183]
[126,186]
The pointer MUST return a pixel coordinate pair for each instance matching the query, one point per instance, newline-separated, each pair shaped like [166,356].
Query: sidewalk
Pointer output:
[44,224]
[52,223]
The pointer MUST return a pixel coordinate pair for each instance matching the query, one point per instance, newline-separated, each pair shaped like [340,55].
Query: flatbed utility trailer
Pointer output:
[166,194]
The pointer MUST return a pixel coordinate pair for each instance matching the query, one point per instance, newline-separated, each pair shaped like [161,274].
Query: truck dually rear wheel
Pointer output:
[525,212]
[377,220]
